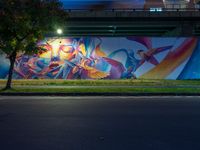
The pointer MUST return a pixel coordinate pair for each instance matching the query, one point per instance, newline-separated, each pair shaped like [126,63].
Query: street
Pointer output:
[99,123]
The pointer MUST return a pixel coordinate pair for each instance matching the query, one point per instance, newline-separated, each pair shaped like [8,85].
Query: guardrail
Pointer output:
[168,8]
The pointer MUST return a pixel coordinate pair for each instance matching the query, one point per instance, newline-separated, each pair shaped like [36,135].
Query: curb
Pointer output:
[98,94]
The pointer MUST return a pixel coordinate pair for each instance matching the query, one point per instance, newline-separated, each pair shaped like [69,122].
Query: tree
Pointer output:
[25,22]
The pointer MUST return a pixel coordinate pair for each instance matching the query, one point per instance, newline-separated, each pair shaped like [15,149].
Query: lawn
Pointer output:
[104,86]
[105,90]
[131,82]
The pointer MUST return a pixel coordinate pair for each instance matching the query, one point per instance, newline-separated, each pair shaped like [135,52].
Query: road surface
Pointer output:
[99,123]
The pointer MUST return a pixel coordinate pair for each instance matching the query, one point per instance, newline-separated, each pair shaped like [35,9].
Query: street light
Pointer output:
[59,31]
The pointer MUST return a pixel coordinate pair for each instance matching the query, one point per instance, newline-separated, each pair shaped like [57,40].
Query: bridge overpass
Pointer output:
[133,22]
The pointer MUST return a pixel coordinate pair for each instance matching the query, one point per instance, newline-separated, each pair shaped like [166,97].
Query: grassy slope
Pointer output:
[103,82]
[116,83]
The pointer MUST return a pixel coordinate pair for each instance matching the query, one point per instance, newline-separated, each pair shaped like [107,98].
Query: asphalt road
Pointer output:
[99,123]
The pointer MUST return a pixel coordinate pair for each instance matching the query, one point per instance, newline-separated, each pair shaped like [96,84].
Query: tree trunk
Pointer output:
[12,58]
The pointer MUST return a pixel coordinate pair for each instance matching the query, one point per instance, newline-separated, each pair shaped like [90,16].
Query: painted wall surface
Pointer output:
[110,58]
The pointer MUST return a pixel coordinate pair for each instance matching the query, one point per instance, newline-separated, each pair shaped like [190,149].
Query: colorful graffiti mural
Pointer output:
[109,58]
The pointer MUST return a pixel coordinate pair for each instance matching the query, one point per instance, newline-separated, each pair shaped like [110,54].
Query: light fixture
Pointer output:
[59,31]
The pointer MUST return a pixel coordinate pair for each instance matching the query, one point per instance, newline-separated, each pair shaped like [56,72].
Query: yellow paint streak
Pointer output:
[170,63]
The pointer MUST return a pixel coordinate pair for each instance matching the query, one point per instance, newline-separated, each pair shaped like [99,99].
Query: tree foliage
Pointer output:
[24,22]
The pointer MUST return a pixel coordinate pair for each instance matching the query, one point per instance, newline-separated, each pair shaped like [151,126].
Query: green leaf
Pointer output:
[24,22]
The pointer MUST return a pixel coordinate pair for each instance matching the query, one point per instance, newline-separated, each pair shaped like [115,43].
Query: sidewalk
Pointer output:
[97,94]
[82,86]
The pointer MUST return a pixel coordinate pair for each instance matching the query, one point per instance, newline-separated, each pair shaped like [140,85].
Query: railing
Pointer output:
[181,5]
[168,8]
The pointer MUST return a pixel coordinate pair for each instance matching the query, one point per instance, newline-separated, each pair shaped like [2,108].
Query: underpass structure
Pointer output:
[133,22]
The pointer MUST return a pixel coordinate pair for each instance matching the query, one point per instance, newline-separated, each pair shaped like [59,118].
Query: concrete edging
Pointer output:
[98,94]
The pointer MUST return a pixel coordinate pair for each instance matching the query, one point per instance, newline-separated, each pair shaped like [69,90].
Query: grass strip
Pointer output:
[138,82]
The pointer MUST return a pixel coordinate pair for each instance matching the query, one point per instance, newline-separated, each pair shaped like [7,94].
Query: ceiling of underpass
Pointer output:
[114,29]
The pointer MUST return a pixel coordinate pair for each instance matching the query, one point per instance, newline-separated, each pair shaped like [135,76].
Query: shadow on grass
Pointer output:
[7,90]
[3,89]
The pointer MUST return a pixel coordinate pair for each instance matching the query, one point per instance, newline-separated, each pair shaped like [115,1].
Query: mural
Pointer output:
[109,58]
